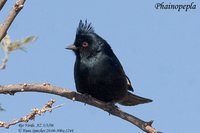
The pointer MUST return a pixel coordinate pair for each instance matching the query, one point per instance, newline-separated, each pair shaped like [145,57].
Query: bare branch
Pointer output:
[2,3]
[48,107]
[13,13]
[75,96]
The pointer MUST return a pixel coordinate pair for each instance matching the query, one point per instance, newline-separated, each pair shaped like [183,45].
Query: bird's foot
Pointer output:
[110,106]
[86,97]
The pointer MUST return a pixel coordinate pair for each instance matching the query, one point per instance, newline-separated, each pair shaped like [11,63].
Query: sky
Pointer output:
[159,51]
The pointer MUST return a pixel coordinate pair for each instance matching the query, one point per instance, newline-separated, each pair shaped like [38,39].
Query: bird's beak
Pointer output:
[72,47]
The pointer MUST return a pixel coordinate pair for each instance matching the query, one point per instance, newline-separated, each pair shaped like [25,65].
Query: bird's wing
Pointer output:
[117,62]
[129,84]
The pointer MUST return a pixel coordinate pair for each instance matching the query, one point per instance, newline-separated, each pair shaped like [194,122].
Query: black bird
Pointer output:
[97,70]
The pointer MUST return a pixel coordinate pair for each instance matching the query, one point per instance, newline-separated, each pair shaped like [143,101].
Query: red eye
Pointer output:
[85,44]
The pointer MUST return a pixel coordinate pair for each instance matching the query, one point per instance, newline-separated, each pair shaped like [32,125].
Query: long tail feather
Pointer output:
[132,100]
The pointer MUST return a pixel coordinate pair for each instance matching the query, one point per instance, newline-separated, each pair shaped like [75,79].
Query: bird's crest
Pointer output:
[84,28]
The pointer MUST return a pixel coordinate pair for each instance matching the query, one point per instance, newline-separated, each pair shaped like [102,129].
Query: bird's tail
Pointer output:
[132,100]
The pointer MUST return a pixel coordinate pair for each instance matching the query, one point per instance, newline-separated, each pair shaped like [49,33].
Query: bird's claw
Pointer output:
[110,106]
[86,97]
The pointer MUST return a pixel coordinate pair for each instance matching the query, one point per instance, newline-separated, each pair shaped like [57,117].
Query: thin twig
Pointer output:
[4,60]
[13,13]
[2,3]
[75,96]
[48,107]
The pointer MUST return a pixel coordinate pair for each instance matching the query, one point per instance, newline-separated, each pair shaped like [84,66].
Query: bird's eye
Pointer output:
[85,44]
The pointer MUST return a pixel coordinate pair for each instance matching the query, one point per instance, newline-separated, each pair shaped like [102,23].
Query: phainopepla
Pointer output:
[97,70]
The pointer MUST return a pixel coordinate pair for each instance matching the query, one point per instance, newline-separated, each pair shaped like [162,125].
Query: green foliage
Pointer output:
[8,46]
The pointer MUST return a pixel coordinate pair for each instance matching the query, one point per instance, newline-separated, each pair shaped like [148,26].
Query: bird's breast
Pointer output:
[100,78]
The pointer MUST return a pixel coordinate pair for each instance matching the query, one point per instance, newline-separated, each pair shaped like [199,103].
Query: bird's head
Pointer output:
[87,43]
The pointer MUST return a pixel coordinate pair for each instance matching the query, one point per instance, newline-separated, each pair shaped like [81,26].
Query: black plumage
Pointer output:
[97,70]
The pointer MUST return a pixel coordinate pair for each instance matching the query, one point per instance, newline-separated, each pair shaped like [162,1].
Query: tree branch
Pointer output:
[47,107]
[2,3]
[13,13]
[75,96]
